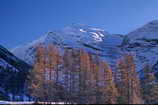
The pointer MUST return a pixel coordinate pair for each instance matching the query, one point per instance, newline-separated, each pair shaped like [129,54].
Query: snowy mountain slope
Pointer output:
[142,43]
[12,70]
[7,57]
[93,40]
[148,31]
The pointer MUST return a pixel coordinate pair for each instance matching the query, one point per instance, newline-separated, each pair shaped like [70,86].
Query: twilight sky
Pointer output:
[22,21]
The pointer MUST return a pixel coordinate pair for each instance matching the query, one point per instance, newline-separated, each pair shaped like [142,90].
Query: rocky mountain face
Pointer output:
[142,43]
[13,72]
[93,40]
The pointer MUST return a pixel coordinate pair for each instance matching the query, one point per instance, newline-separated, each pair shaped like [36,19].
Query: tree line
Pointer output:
[76,76]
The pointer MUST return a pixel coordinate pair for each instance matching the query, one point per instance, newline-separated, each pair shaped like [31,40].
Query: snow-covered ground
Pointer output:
[29,103]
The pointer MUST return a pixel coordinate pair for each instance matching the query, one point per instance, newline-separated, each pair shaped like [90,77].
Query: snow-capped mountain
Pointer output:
[93,40]
[149,31]
[142,42]
[12,71]
[7,59]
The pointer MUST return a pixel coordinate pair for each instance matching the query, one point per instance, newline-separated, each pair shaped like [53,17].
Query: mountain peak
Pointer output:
[79,25]
[148,31]
[83,28]
[72,36]
[153,22]
[151,26]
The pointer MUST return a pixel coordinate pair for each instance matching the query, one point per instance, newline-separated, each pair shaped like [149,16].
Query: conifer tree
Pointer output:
[149,86]
[52,75]
[68,73]
[128,81]
[95,84]
[109,89]
[37,77]
[85,75]
[43,82]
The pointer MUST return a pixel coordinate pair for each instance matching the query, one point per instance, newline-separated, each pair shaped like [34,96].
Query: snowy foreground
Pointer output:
[24,103]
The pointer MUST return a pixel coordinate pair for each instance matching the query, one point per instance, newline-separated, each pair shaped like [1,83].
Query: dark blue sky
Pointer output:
[22,21]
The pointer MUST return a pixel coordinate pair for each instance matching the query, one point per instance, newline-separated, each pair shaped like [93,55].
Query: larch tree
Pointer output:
[121,84]
[149,86]
[43,77]
[76,75]
[95,80]
[53,58]
[85,76]
[135,92]
[109,89]
[69,73]
[37,85]
[128,81]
